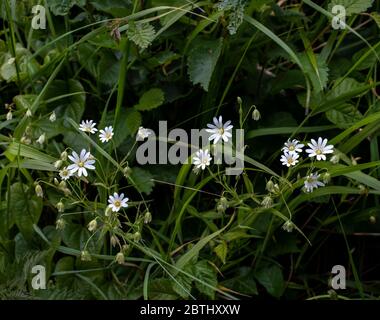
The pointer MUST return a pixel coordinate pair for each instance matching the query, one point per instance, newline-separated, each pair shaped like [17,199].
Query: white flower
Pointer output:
[65,173]
[117,201]
[289,159]
[81,163]
[311,182]
[9,115]
[106,134]
[11,60]
[41,138]
[202,159]
[292,146]
[143,133]
[88,126]
[53,117]
[319,148]
[28,113]
[219,130]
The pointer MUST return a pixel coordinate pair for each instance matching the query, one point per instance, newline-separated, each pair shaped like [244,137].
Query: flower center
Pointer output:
[117,203]
[318,151]
[108,135]
[221,131]
[81,164]
[291,148]
[290,160]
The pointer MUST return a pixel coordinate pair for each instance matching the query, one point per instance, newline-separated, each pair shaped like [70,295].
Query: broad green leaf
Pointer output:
[344,117]
[151,99]
[317,73]
[142,179]
[18,149]
[182,283]
[118,8]
[202,60]
[26,207]
[243,281]
[271,278]
[62,7]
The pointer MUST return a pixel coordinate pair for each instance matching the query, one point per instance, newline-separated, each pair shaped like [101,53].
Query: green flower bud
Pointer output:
[39,191]
[119,258]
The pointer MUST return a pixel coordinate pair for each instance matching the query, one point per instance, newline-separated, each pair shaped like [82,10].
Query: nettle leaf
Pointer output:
[161,289]
[76,236]
[344,117]
[151,99]
[202,60]
[236,15]
[243,281]
[271,278]
[182,283]
[142,179]
[117,8]
[127,125]
[221,251]
[204,272]
[343,87]
[352,6]
[26,207]
[318,73]
[141,34]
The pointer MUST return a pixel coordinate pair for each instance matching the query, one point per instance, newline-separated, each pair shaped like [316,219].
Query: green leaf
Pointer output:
[141,34]
[221,251]
[142,179]
[344,117]
[26,207]
[151,99]
[62,7]
[270,277]
[117,8]
[127,125]
[204,272]
[182,283]
[76,236]
[343,87]
[352,6]
[25,101]
[161,289]
[376,17]
[202,60]
[243,281]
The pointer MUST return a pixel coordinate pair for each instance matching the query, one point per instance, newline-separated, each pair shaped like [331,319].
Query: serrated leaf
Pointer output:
[344,117]
[352,6]
[318,73]
[271,278]
[242,282]
[221,251]
[62,7]
[202,60]
[182,283]
[142,179]
[141,34]
[151,99]
[204,272]
[343,87]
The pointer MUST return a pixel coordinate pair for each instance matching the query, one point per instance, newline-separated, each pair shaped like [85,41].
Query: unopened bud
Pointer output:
[372,219]
[256,114]
[93,224]
[147,217]
[28,113]
[288,226]
[137,236]
[335,159]
[127,171]
[39,191]
[52,117]
[114,240]
[239,101]
[85,256]
[120,258]
[64,156]
[267,202]
[58,164]
[56,182]
[60,224]
[60,206]
[9,115]
[326,177]
[41,139]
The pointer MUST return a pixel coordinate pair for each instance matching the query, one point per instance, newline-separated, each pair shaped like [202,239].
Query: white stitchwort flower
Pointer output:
[292,146]
[289,159]
[106,134]
[88,126]
[311,182]
[81,163]
[319,149]
[219,130]
[202,159]
[143,133]
[28,113]
[116,202]
[65,173]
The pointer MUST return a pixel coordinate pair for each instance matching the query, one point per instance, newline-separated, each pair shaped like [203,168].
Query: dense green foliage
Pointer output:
[130,63]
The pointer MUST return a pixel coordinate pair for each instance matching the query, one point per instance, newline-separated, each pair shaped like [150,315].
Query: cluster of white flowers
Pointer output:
[89,126]
[318,149]
[219,131]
